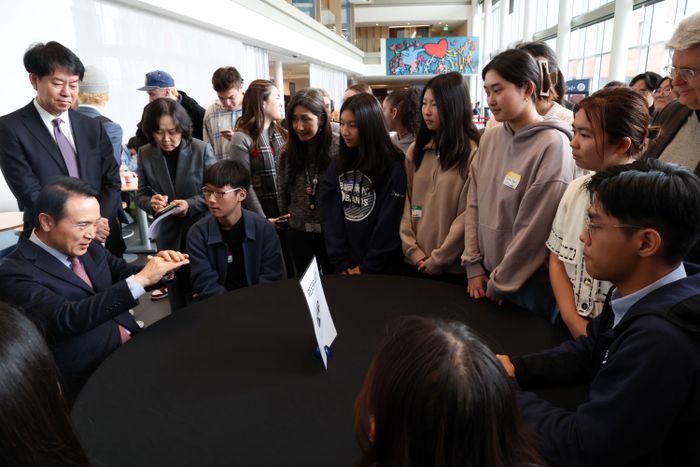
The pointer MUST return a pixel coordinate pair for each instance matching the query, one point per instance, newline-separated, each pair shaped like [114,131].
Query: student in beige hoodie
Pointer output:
[437,166]
[518,176]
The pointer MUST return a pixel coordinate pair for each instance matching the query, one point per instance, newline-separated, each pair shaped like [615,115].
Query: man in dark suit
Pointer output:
[77,292]
[46,139]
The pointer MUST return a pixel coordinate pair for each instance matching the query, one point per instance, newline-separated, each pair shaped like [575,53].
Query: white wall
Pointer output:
[125,42]
[128,38]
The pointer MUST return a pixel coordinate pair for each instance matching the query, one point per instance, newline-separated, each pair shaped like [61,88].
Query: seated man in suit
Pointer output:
[47,139]
[641,356]
[77,292]
[232,247]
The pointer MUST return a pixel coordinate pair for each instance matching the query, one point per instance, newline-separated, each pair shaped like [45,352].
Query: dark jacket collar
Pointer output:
[215,232]
[677,302]
[49,264]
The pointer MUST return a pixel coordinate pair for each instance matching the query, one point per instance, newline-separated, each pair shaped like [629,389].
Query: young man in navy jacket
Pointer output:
[641,356]
[232,247]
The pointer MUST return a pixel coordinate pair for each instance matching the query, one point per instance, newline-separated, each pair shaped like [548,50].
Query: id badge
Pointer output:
[229,257]
[512,180]
[416,211]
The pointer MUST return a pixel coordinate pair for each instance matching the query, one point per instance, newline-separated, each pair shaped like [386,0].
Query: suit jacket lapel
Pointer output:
[184,166]
[35,125]
[49,264]
[81,143]
[91,268]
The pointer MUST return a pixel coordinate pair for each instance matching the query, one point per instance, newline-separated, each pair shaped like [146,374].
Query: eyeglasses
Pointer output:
[593,226]
[217,194]
[686,74]
[666,90]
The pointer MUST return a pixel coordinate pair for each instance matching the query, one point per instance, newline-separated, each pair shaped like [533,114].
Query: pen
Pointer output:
[150,188]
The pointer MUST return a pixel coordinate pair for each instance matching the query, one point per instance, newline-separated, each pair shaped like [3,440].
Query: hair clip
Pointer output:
[544,71]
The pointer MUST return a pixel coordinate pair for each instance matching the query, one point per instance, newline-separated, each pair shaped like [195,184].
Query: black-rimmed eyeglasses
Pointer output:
[217,194]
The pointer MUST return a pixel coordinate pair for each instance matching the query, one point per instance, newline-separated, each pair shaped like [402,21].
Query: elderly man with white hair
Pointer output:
[679,136]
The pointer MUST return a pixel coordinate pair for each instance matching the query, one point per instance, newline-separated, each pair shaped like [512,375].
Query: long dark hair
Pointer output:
[297,150]
[252,119]
[408,102]
[457,128]
[438,396]
[375,152]
[34,423]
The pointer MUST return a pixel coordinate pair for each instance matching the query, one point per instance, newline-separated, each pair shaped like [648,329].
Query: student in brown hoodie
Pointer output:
[518,176]
[437,168]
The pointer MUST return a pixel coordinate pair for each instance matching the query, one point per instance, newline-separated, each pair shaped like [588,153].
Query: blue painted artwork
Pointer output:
[432,56]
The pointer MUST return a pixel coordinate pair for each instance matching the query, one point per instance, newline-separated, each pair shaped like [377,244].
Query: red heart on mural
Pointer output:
[436,50]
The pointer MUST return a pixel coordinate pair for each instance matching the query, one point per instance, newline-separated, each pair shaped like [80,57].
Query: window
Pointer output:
[589,53]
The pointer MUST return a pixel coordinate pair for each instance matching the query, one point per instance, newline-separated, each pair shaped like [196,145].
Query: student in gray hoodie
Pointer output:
[518,176]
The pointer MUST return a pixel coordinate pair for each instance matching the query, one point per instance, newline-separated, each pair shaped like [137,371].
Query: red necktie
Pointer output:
[79,271]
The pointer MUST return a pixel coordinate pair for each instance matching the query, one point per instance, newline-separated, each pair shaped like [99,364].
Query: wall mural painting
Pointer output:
[432,56]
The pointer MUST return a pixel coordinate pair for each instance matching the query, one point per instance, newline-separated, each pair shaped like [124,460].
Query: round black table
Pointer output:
[233,380]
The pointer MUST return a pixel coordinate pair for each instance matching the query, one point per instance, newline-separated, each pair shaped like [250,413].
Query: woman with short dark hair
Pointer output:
[171,169]
[435,395]
[647,83]
[35,427]
[663,96]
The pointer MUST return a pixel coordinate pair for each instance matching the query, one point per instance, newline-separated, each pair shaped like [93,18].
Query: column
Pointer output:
[505,26]
[620,40]
[475,30]
[279,80]
[528,19]
[564,33]
[487,32]
[279,76]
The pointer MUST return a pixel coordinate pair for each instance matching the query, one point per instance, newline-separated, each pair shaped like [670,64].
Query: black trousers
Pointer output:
[305,245]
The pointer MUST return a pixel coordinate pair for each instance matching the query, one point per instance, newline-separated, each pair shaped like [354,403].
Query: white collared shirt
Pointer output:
[47,118]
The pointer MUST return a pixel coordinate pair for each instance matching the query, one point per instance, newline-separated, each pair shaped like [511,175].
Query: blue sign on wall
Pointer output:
[578,86]
[432,56]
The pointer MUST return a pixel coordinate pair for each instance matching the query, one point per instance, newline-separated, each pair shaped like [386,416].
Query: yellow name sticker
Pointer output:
[512,180]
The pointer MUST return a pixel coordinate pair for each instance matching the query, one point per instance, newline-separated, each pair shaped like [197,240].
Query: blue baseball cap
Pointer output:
[158,79]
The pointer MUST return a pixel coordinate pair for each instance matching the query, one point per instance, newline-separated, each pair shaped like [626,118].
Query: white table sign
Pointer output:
[324,329]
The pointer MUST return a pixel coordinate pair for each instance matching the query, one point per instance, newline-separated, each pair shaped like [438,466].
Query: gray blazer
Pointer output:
[195,157]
